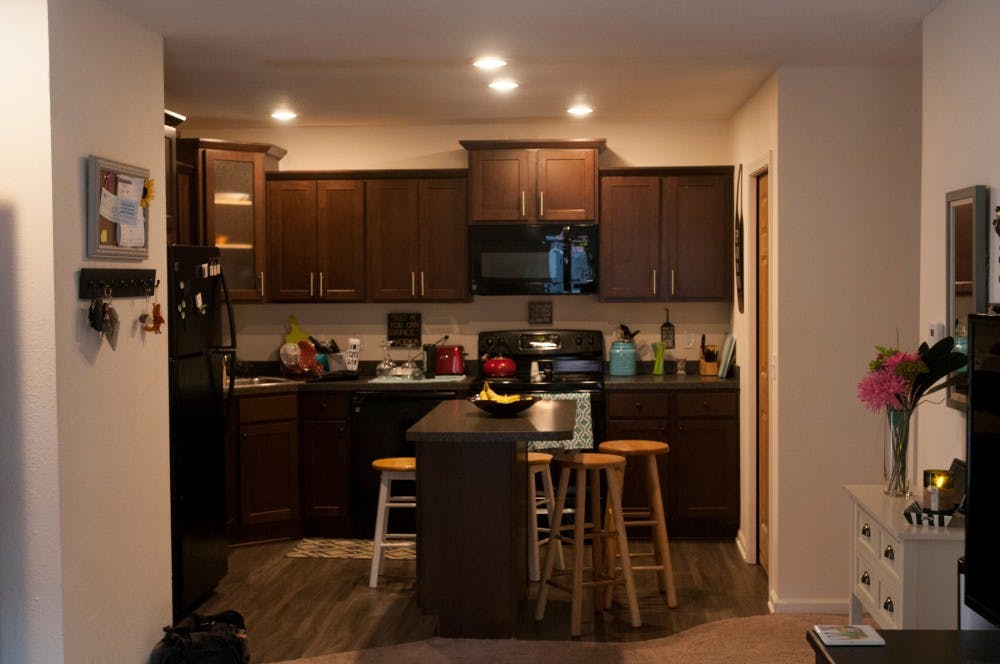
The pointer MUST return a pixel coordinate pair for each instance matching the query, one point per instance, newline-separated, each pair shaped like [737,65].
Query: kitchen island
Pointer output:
[472,488]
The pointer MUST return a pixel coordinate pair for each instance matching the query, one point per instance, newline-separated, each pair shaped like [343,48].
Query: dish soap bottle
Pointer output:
[667,332]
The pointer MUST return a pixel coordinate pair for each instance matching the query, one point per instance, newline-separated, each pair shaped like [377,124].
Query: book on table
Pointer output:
[849,635]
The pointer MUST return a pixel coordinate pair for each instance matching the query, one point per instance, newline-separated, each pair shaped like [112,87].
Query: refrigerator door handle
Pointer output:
[230,351]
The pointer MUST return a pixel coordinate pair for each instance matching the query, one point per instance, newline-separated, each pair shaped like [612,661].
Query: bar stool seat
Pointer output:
[648,450]
[587,467]
[391,469]
[539,464]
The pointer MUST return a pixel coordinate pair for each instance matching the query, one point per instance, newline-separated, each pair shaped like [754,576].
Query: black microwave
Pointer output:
[533,259]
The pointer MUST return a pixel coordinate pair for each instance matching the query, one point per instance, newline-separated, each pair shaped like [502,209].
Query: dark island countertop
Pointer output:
[460,421]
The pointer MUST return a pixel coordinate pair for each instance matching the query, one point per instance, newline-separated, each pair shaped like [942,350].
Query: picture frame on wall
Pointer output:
[117,210]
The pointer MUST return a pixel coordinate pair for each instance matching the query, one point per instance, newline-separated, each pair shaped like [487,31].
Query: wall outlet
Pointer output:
[935,333]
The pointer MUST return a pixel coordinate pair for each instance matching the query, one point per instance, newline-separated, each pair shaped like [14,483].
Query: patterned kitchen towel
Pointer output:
[583,428]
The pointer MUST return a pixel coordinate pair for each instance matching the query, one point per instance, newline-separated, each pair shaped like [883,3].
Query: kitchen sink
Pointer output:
[261,380]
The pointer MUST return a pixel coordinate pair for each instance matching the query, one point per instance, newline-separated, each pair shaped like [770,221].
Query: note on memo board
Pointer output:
[117,215]
[403,330]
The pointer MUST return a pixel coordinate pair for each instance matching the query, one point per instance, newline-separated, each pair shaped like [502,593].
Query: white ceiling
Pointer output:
[229,63]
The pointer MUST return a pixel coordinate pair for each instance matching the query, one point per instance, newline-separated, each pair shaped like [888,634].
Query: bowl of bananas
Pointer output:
[501,405]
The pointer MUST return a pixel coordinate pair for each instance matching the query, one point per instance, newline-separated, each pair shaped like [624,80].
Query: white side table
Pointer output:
[904,576]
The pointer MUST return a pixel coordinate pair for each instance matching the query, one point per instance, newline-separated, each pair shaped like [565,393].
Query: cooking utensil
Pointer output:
[627,335]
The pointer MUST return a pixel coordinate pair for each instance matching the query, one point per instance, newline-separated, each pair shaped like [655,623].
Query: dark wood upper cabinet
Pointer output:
[631,266]
[533,181]
[666,234]
[698,232]
[417,239]
[316,235]
[230,208]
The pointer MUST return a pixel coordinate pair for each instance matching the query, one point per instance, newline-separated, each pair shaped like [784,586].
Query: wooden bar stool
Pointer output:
[540,503]
[391,469]
[588,464]
[647,451]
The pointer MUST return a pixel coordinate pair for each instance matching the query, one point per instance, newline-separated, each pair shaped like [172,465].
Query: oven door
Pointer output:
[533,259]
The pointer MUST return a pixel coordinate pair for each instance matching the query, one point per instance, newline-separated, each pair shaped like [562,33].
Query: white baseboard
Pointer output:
[749,557]
[810,605]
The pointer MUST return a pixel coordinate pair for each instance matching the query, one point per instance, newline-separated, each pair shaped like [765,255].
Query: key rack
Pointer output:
[117,282]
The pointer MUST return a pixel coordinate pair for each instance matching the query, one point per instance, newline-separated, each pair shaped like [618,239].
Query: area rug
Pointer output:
[771,639]
[319,547]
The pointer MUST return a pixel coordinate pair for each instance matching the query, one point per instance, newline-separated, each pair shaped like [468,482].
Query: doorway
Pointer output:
[763,373]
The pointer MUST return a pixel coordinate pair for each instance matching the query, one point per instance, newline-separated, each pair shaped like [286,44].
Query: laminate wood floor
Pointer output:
[303,607]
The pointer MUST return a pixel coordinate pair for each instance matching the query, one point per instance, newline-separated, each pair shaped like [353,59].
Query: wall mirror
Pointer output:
[967,236]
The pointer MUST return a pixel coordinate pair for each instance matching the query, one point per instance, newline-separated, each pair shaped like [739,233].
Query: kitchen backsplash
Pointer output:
[261,328]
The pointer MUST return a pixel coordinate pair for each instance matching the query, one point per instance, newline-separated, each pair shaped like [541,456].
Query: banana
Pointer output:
[487,394]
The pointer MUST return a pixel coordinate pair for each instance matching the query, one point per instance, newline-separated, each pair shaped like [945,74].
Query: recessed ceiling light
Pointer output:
[489,62]
[503,84]
[284,115]
[579,110]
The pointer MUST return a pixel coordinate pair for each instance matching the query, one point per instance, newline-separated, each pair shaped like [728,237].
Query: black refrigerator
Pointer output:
[198,311]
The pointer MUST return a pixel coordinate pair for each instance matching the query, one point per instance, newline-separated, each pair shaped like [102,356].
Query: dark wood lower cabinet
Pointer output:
[700,476]
[266,466]
[326,464]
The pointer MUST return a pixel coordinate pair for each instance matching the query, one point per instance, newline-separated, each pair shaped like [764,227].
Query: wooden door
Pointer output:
[340,239]
[630,238]
[697,241]
[291,218]
[444,240]
[392,237]
[502,183]
[566,183]
[763,374]
[234,218]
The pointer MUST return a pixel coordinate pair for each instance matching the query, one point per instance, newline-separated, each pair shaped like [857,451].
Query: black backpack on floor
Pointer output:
[198,639]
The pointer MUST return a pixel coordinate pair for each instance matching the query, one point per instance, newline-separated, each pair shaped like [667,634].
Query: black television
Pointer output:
[982,565]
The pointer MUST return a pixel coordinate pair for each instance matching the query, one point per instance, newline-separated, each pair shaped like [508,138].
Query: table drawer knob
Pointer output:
[889,553]
[887,605]
[866,579]
[866,530]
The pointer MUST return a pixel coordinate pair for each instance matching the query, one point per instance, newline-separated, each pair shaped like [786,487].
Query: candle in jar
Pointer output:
[939,487]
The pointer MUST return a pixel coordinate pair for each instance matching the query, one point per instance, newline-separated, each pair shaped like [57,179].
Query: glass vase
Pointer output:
[897,480]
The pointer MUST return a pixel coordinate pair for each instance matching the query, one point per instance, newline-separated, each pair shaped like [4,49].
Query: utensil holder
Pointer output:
[709,367]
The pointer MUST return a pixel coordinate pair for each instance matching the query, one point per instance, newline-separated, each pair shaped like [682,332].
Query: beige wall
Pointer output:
[961,144]
[113,492]
[845,279]
[31,604]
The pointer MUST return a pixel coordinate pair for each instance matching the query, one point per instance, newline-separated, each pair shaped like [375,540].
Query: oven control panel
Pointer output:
[541,343]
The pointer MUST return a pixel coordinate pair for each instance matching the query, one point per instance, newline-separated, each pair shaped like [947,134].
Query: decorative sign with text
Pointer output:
[403,330]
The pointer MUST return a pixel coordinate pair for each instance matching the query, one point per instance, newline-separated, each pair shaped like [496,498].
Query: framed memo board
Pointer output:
[117,219]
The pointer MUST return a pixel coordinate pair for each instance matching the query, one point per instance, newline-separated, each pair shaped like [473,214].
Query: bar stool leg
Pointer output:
[381,523]
[533,574]
[666,576]
[550,554]
[610,554]
[597,538]
[614,498]
[579,527]
[550,506]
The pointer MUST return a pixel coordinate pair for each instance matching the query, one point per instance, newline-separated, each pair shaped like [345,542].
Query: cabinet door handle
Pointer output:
[888,606]
[889,553]
[654,281]
[541,204]
[523,209]
[320,293]
[672,289]
[413,284]
[866,579]
[421,283]
[638,405]
[866,530]
[262,285]
[311,275]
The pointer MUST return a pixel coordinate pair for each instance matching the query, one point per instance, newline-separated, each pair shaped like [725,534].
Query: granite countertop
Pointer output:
[460,421]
